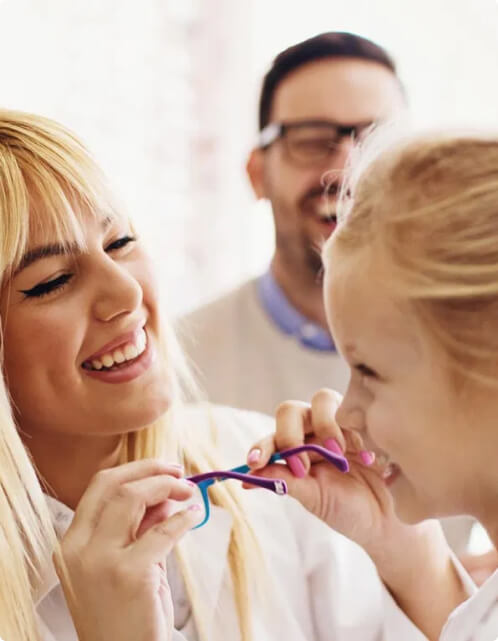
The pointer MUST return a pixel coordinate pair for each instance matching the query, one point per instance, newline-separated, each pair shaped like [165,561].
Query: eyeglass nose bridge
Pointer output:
[346,131]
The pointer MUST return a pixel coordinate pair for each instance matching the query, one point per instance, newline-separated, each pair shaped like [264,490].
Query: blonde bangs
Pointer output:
[48,183]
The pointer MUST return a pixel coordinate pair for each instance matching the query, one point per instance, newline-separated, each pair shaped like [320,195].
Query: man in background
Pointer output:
[267,341]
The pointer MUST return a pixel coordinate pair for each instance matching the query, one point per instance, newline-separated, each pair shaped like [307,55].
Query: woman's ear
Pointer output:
[255,172]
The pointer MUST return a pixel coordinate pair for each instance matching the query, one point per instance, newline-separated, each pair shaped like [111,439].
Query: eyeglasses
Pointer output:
[241,473]
[312,142]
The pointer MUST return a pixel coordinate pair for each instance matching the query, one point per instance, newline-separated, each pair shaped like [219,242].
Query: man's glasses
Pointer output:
[241,473]
[312,142]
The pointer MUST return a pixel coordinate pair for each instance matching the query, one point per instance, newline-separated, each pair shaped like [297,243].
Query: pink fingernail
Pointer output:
[367,457]
[296,466]
[194,508]
[254,456]
[333,446]
[189,483]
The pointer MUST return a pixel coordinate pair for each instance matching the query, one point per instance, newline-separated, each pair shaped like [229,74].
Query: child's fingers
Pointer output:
[324,406]
[293,423]
[260,452]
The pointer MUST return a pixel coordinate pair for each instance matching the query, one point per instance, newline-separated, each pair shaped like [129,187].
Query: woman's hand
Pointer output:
[115,550]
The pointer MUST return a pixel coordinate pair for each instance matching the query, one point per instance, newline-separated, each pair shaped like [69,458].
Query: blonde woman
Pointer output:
[412,300]
[92,382]
[27,535]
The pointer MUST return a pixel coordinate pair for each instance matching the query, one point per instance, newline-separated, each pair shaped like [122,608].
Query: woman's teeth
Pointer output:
[128,352]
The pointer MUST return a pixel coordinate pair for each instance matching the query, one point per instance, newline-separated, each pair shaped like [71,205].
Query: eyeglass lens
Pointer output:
[314,143]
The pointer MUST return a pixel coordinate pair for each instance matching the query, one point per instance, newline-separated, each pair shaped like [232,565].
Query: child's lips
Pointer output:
[390,473]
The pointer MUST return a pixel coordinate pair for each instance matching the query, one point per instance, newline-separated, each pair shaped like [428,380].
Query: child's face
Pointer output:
[59,311]
[401,397]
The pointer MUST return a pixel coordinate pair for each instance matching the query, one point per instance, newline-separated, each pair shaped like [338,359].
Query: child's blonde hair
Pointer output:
[427,208]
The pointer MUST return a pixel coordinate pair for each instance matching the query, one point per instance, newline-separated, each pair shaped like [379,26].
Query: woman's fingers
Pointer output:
[124,511]
[105,484]
[159,540]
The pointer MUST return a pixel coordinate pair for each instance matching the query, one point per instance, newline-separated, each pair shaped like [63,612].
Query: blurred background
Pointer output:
[165,94]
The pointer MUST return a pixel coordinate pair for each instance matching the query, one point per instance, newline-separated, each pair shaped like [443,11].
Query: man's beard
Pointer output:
[298,249]
[301,254]
[314,261]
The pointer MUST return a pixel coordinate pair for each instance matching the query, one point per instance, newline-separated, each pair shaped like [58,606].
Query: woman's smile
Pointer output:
[101,326]
[131,357]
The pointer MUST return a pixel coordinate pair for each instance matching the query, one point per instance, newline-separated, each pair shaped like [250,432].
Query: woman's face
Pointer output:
[401,397]
[81,335]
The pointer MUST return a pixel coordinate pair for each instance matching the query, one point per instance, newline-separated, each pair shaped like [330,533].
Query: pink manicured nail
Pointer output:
[189,483]
[254,456]
[296,466]
[333,446]
[194,508]
[367,457]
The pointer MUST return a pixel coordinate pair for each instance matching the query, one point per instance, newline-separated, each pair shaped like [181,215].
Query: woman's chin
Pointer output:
[132,415]
[147,415]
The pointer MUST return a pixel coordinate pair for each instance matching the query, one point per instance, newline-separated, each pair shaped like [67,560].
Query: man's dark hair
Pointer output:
[333,44]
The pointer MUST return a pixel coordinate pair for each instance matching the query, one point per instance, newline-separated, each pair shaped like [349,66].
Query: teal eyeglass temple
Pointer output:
[241,473]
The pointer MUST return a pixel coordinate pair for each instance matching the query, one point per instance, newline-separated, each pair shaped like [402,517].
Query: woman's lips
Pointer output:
[128,337]
[127,371]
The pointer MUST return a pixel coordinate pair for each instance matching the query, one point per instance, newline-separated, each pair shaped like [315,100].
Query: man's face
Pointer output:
[345,91]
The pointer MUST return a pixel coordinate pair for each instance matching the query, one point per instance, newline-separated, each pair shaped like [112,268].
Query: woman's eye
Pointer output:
[42,289]
[120,243]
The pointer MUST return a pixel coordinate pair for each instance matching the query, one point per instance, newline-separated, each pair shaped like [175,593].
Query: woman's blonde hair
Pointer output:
[427,207]
[48,180]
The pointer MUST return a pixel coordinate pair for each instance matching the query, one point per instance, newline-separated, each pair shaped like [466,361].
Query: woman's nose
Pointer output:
[118,293]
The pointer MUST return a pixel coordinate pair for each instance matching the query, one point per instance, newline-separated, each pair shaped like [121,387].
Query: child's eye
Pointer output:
[364,370]
[120,243]
[42,289]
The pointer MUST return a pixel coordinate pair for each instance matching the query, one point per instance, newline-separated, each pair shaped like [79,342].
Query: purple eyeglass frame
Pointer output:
[241,473]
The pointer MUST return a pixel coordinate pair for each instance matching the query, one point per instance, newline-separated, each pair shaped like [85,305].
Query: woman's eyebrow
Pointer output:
[54,249]
[45,251]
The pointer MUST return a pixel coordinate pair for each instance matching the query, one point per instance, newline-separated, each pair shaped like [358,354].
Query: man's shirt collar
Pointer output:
[289,319]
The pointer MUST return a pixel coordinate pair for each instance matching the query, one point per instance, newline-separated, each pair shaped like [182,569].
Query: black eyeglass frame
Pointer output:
[277,130]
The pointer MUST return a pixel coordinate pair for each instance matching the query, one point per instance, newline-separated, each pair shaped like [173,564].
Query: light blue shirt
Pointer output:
[288,319]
